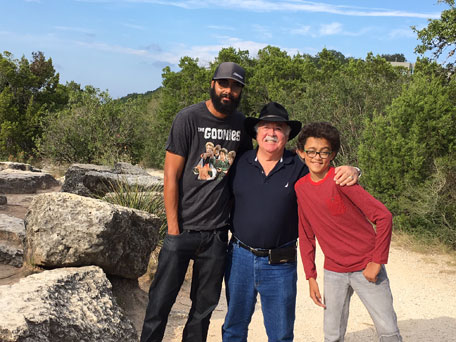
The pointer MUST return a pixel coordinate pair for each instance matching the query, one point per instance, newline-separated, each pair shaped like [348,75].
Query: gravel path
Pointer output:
[424,291]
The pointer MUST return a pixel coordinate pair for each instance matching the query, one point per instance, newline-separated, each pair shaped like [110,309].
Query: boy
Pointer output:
[355,253]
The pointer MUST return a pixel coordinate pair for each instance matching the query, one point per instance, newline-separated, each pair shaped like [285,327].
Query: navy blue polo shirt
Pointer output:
[265,211]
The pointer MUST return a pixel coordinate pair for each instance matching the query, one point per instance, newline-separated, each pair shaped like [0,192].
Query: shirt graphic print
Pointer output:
[216,160]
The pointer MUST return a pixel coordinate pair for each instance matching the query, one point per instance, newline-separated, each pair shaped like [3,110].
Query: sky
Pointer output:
[122,46]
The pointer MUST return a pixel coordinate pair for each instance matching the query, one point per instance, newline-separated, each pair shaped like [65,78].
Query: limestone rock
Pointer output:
[3,200]
[127,168]
[95,181]
[101,183]
[12,229]
[25,182]
[74,178]
[65,305]
[18,166]
[11,254]
[65,229]
[12,236]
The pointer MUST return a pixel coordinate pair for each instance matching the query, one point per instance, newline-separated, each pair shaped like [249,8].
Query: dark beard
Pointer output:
[228,108]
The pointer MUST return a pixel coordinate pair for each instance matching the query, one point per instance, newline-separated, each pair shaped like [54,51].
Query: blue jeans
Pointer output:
[376,297]
[208,250]
[246,276]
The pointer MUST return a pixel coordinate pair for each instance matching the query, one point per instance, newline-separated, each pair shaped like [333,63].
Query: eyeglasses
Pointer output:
[322,154]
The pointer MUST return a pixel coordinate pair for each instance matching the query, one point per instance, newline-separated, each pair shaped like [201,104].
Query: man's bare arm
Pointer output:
[174,164]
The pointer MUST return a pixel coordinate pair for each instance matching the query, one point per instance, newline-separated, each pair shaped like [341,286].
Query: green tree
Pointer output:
[28,91]
[93,128]
[396,57]
[398,148]
[439,37]
[345,92]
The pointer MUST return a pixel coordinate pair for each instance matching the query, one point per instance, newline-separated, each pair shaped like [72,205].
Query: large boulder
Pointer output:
[67,304]
[100,183]
[12,236]
[14,181]
[65,229]
[74,178]
[95,180]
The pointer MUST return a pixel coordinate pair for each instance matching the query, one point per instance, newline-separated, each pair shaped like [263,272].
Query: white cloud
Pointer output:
[402,32]
[207,53]
[303,30]
[113,48]
[290,6]
[262,31]
[134,26]
[75,29]
[330,29]
[221,28]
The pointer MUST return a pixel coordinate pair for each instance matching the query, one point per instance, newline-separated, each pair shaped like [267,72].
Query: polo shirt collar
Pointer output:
[287,158]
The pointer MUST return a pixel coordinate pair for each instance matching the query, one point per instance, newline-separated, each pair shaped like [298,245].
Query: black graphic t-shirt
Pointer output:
[209,146]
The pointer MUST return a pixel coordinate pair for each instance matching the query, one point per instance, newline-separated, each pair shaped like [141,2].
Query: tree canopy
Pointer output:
[28,91]
[439,37]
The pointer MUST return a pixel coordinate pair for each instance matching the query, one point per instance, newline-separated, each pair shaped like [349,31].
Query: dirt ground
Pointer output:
[423,286]
[424,291]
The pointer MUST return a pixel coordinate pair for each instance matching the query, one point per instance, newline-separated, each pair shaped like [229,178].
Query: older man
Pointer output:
[262,252]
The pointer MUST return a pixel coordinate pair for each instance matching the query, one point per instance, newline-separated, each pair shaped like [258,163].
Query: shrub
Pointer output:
[429,210]
[94,129]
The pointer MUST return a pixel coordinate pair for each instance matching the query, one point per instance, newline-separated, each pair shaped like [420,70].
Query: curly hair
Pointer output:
[319,130]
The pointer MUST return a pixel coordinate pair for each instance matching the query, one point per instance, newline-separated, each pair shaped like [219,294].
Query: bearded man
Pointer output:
[197,210]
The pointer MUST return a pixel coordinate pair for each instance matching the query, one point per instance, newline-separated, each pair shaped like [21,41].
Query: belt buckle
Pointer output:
[259,253]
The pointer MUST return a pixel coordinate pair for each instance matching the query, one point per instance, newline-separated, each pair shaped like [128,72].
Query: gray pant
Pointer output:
[376,297]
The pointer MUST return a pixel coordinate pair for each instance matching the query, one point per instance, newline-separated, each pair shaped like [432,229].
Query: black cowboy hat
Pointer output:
[275,112]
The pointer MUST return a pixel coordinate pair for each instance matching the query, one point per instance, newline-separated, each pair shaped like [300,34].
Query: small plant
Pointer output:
[136,197]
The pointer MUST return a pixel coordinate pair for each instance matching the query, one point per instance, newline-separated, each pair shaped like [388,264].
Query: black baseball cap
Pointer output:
[230,70]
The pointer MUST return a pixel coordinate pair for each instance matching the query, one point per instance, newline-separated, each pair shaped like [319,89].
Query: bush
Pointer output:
[429,210]
[95,129]
[398,148]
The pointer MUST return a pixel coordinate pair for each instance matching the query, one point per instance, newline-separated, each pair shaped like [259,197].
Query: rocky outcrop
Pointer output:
[95,181]
[67,304]
[74,178]
[18,166]
[128,169]
[12,229]
[14,181]
[12,236]
[10,254]
[65,229]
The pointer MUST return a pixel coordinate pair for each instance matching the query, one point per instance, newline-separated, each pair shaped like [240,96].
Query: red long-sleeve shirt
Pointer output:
[339,218]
